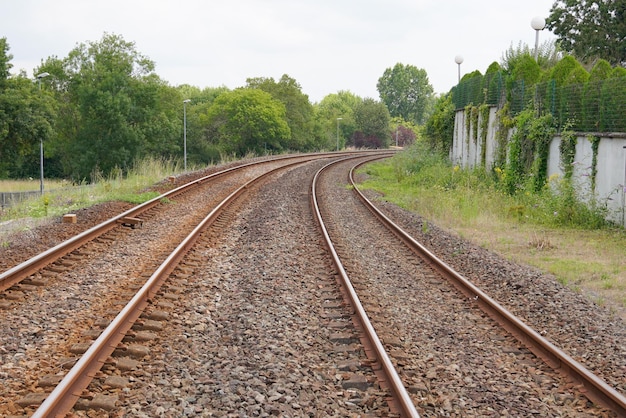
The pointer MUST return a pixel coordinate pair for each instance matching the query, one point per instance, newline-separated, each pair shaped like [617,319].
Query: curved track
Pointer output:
[592,386]
[373,308]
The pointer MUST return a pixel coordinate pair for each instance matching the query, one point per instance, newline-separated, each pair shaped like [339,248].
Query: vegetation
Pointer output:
[406,92]
[61,198]
[103,108]
[591,29]
[547,228]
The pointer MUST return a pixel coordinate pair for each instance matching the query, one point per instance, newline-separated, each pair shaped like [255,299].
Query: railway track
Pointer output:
[564,393]
[596,389]
[96,354]
[273,299]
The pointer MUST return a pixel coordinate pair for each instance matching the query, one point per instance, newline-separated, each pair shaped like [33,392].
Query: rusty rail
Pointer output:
[68,391]
[595,388]
[17,273]
[387,374]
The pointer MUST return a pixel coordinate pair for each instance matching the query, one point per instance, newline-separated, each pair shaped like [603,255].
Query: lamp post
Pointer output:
[39,77]
[185,132]
[537,23]
[624,193]
[459,60]
[338,119]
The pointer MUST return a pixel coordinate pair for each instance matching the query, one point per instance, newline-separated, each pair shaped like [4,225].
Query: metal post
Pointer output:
[338,119]
[537,23]
[459,60]
[624,192]
[39,77]
[185,132]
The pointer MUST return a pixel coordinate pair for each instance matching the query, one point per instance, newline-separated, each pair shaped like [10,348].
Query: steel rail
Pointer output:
[401,401]
[68,391]
[596,389]
[17,273]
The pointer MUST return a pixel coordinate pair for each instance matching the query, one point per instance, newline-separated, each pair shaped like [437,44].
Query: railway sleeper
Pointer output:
[131,222]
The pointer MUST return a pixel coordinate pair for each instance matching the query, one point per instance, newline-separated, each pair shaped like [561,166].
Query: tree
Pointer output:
[568,71]
[247,120]
[591,29]
[333,106]
[440,125]
[372,121]
[299,109]
[406,92]
[402,132]
[5,61]
[114,108]
[199,150]
[26,116]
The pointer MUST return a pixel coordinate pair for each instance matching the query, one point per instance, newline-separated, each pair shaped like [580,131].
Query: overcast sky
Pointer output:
[325,45]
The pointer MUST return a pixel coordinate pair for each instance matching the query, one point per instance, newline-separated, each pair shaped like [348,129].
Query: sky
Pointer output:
[325,45]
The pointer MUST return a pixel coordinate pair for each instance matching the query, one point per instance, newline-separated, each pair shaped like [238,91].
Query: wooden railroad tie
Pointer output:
[131,222]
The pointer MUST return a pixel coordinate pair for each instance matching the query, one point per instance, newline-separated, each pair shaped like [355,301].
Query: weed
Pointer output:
[540,242]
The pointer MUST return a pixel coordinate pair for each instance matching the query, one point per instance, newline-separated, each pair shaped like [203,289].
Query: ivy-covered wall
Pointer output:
[596,163]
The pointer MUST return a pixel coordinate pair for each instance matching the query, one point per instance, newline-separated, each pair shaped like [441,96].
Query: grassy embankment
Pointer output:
[60,197]
[542,229]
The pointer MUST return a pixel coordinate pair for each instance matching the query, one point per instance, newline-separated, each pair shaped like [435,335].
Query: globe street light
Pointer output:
[338,119]
[537,23]
[39,77]
[185,131]
[459,60]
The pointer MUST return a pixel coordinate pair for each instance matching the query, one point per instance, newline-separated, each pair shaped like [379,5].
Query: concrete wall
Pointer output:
[611,161]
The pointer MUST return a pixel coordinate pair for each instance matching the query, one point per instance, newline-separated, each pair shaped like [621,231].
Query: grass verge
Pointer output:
[130,187]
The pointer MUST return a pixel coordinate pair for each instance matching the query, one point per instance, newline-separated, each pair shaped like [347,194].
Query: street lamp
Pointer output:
[185,131]
[338,119]
[459,60]
[39,77]
[537,23]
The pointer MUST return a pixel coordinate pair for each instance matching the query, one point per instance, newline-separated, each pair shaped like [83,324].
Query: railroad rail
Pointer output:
[68,391]
[17,273]
[72,387]
[595,389]
[383,367]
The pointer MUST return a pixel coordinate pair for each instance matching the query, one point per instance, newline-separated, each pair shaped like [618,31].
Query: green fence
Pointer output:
[590,107]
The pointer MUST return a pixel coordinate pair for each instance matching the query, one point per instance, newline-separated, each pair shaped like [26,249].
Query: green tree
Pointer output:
[327,112]
[199,149]
[439,128]
[300,115]
[372,122]
[568,71]
[115,108]
[406,92]
[247,120]
[26,116]
[591,28]
[5,62]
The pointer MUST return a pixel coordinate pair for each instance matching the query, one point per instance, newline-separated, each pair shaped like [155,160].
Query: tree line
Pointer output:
[103,107]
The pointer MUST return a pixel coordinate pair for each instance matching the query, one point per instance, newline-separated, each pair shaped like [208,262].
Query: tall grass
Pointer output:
[29,185]
[424,181]
[130,187]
